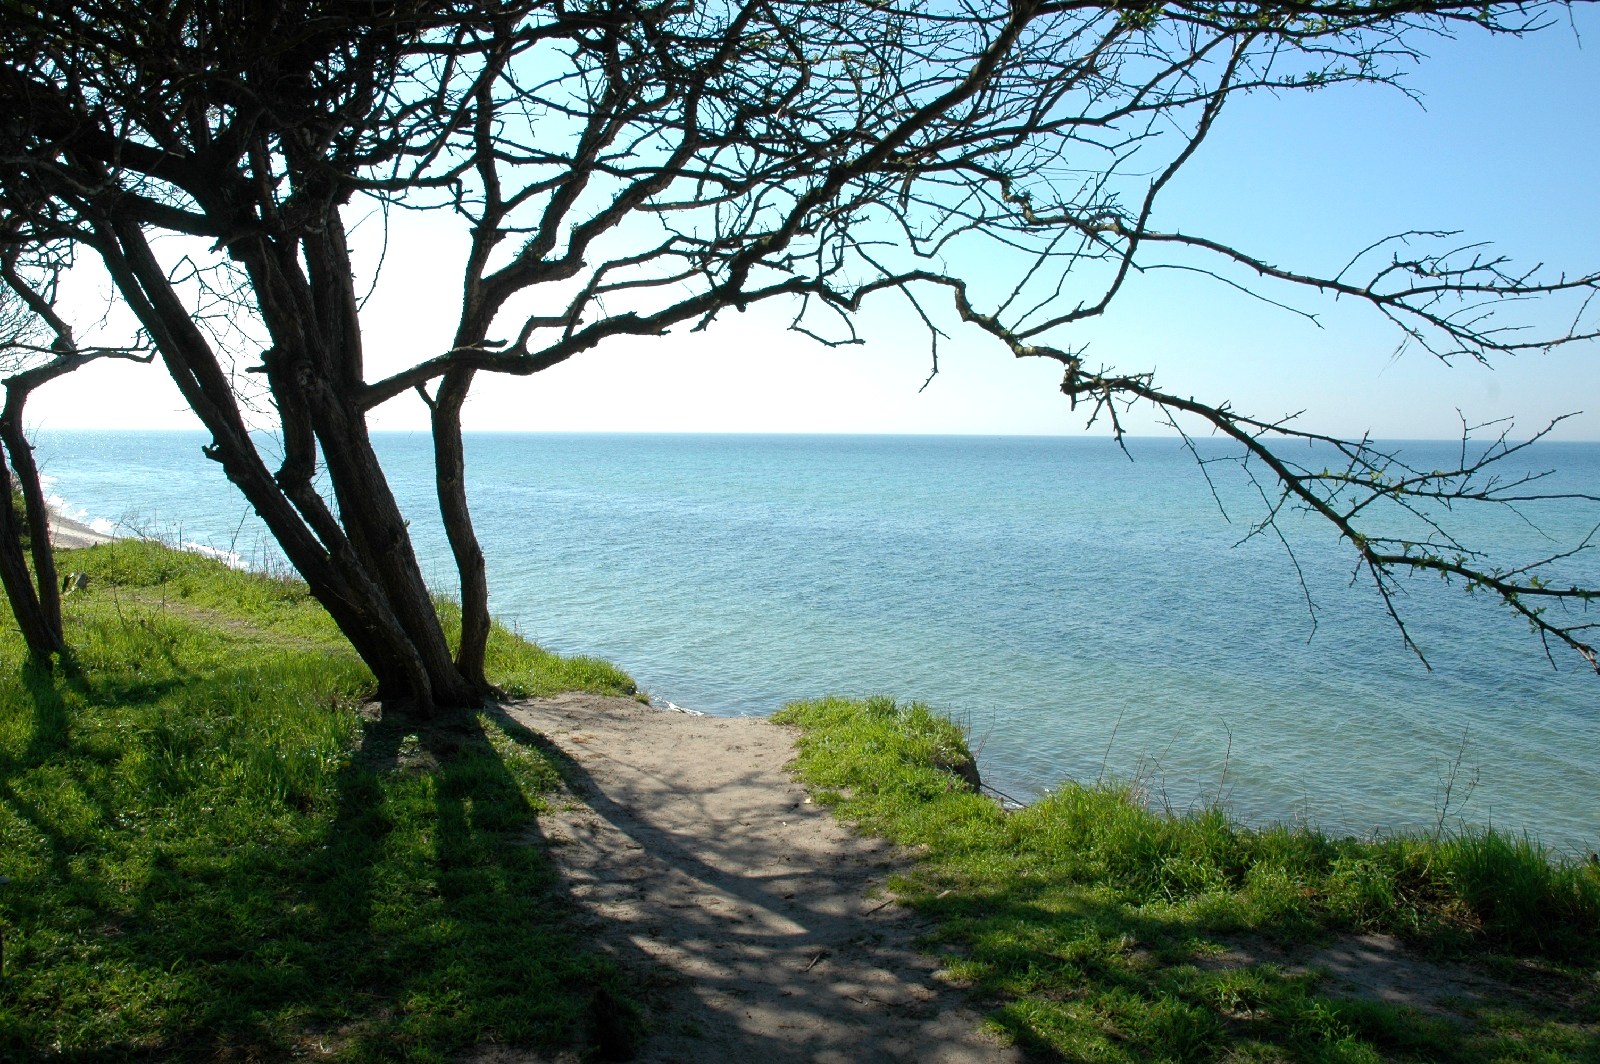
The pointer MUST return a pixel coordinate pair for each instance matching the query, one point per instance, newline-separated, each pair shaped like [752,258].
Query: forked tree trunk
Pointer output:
[35,598]
[377,531]
[360,565]
[40,629]
[37,512]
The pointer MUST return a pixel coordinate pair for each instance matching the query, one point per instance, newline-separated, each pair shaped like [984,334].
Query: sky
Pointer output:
[1505,147]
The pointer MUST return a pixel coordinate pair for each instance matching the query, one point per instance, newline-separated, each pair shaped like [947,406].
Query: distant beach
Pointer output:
[67,534]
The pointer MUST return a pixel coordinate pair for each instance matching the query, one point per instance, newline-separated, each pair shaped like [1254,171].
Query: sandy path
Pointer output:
[754,922]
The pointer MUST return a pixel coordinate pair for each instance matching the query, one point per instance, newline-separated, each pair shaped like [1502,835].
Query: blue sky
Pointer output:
[1505,147]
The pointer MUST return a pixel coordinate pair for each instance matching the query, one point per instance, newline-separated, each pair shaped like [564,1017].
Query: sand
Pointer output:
[754,925]
[67,534]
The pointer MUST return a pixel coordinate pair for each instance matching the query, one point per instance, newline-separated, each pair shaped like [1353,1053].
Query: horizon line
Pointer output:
[747,433]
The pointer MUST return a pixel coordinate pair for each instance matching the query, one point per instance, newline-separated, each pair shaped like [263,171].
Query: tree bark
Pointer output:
[362,568]
[41,629]
[377,531]
[35,599]
[36,510]
[449,457]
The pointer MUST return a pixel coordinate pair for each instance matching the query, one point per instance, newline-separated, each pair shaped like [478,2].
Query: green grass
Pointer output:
[213,856]
[1100,930]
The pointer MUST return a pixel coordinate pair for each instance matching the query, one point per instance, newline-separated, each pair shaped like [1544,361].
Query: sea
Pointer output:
[1086,612]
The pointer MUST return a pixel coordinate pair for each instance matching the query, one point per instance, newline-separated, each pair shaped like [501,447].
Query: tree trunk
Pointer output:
[360,566]
[42,637]
[35,598]
[449,460]
[37,511]
[377,531]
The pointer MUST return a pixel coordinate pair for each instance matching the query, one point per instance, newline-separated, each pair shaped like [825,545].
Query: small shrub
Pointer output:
[19,512]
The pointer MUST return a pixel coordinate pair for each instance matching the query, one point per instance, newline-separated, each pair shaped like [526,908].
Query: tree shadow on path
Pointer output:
[755,924]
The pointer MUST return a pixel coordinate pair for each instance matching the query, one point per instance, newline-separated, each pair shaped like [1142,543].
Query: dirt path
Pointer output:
[754,921]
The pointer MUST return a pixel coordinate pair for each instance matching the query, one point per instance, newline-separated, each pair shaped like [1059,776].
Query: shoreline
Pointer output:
[68,534]
[1191,776]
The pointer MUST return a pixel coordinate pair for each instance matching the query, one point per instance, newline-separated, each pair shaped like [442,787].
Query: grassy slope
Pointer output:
[1096,926]
[212,856]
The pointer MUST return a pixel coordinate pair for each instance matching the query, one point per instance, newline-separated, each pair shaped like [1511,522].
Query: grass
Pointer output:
[1100,930]
[213,855]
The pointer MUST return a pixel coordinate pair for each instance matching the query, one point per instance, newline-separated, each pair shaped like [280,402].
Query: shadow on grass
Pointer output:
[49,740]
[402,909]
[1078,973]
[50,720]
[1101,930]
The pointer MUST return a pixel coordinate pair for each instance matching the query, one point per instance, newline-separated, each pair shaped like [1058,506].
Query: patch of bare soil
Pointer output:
[1376,967]
[756,924]
[1380,968]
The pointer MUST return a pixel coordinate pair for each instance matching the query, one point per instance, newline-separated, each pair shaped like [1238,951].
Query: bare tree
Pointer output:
[35,608]
[627,167]
[36,346]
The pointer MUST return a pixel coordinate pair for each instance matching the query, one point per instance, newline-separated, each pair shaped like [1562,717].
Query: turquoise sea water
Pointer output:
[1079,612]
